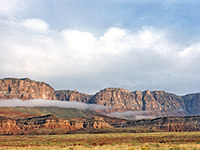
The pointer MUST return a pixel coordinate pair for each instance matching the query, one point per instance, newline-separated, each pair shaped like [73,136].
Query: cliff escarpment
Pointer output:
[25,89]
[47,124]
[70,95]
[174,124]
[156,103]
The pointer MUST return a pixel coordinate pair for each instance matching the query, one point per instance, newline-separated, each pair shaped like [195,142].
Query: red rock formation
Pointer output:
[174,124]
[25,89]
[50,123]
[192,103]
[8,126]
[69,95]
[159,102]
[96,122]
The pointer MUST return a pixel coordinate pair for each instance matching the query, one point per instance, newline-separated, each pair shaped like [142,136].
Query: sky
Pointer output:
[89,45]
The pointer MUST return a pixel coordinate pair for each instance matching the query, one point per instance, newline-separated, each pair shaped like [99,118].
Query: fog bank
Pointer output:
[49,103]
[132,115]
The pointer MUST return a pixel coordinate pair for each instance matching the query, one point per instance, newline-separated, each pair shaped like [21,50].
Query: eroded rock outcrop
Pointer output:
[47,124]
[69,95]
[96,122]
[8,126]
[25,89]
[192,103]
[158,102]
[174,124]
[47,121]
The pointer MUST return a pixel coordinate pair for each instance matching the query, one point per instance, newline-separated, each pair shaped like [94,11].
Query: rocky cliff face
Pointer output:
[47,124]
[69,95]
[158,102]
[8,126]
[25,89]
[174,124]
[192,103]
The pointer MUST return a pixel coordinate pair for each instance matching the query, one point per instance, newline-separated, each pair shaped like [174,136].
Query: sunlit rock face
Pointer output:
[70,95]
[153,103]
[157,103]
[47,124]
[25,89]
[174,124]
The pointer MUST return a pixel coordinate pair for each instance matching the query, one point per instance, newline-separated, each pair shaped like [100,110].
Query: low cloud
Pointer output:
[132,115]
[50,103]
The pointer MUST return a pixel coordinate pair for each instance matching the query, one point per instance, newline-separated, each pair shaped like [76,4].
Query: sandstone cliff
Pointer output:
[159,102]
[174,124]
[25,89]
[8,126]
[47,124]
[69,95]
[192,103]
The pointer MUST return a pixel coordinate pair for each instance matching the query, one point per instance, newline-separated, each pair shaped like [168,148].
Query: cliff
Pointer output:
[154,103]
[174,124]
[47,124]
[69,95]
[25,89]
[158,103]
[8,126]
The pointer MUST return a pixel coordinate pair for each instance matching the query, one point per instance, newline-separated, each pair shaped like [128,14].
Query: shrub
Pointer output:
[131,148]
[157,145]
[144,148]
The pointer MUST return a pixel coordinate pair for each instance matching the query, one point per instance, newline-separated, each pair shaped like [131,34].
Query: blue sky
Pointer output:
[92,44]
[99,15]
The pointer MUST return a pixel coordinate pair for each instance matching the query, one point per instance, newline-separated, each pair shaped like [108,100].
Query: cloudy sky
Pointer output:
[92,44]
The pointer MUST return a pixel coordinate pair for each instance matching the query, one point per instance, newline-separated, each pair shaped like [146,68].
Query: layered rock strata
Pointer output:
[48,123]
[70,95]
[154,102]
[25,89]
[174,124]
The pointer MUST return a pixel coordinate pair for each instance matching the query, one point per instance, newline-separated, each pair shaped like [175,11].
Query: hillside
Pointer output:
[24,112]
[53,120]
[49,120]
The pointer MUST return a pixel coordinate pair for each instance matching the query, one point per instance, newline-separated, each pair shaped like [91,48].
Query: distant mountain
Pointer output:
[153,103]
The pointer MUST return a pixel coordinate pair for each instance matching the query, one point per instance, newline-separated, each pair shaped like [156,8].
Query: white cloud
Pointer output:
[35,25]
[191,51]
[49,103]
[132,115]
[9,7]
[79,42]
[71,59]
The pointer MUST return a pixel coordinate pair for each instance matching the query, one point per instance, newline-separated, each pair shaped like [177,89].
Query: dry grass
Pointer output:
[111,141]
